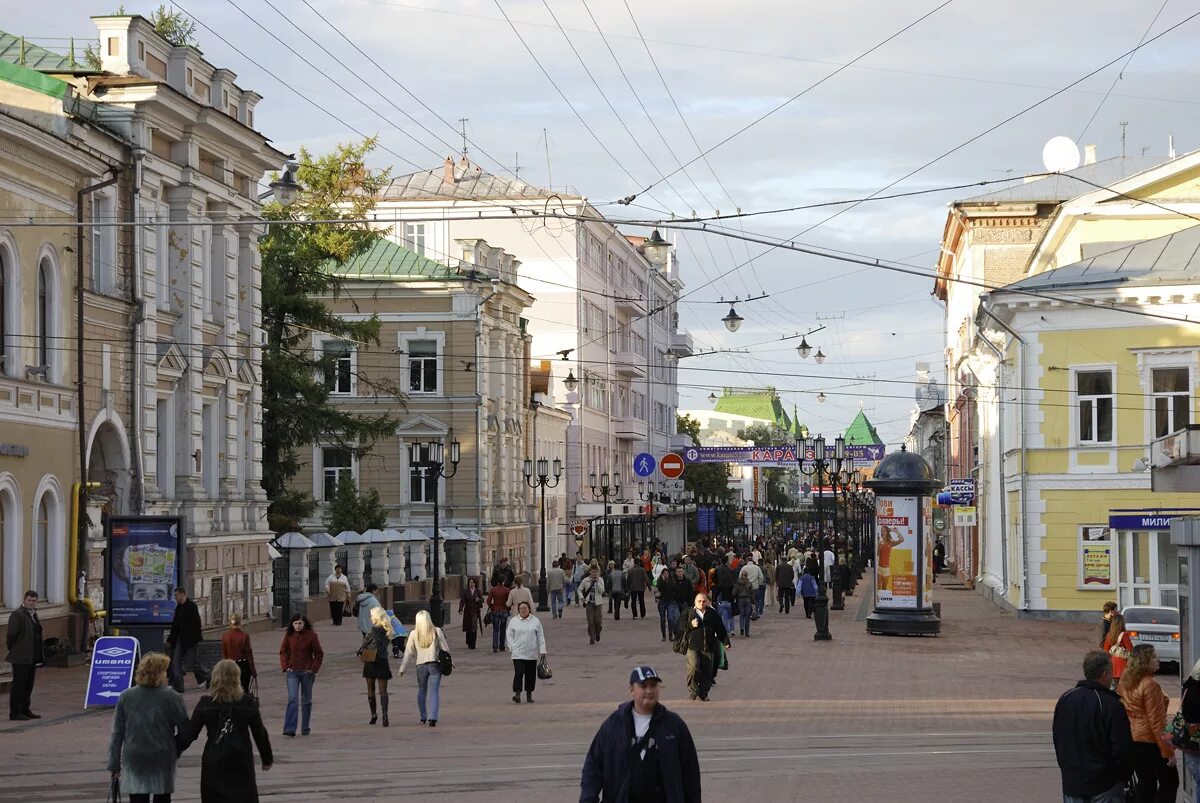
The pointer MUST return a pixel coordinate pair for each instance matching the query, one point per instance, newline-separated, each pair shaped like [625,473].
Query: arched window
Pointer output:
[40,575]
[4,524]
[45,289]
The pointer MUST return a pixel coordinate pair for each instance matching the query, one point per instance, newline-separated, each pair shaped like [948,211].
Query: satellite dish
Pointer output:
[1060,154]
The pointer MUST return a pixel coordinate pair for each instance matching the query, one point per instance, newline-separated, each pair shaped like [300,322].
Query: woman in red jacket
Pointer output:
[235,645]
[300,658]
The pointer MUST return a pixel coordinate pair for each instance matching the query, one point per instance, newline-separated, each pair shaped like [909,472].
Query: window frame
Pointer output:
[321,478]
[415,237]
[403,341]
[332,378]
[1078,399]
[426,482]
[1169,397]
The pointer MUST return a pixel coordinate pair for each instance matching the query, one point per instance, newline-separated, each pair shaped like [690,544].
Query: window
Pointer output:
[4,296]
[44,312]
[414,237]
[639,406]
[1095,399]
[422,481]
[613,333]
[208,447]
[422,366]
[40,574]
[339,375]
[1172,400]
[104,251]
[335,461]
[114,46]
[164,439]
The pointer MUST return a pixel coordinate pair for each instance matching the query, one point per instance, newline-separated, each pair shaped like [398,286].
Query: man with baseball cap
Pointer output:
[642,753]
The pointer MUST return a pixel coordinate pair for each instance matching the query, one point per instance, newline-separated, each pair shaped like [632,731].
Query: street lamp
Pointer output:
[542,480]
[570,383]
[605,491]
[732,321]
[819,357]
[656,249]
[285,188]
[817,469]
[433,464]
[804,349]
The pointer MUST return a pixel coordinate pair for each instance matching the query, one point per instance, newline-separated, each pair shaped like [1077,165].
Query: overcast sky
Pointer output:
[950,77]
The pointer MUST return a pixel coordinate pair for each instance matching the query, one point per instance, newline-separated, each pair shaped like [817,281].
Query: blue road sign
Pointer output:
[113,660]
[644,464]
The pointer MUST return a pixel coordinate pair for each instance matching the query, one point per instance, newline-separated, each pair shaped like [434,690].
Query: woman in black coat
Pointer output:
[377,672]
[469,606]
[230,717]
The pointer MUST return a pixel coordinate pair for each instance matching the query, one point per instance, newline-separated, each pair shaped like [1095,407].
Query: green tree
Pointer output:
[351,510]
[296,277]
[172,25]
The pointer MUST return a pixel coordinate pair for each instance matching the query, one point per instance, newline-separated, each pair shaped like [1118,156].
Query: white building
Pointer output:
[603,299]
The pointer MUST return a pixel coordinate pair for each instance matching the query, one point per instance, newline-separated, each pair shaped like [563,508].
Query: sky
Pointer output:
[962,69]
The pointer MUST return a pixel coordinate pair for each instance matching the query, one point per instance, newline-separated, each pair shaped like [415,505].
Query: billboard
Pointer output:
[143,566]
[778,456]
[897,550]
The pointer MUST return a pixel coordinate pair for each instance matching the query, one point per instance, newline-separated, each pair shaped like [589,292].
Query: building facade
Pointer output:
[1078,365]
[604,313]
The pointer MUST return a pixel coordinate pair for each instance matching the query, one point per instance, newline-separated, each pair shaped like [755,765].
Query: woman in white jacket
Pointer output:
[527,643]
[423,645]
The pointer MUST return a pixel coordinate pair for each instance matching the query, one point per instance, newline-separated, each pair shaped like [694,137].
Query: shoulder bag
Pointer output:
[543,669]
[367,653]
[444,661]
[487,617]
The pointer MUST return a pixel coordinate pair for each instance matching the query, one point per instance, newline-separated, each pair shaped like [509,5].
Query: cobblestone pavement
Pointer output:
[862,717]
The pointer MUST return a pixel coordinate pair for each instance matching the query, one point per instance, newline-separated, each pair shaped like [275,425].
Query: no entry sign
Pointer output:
[671,466]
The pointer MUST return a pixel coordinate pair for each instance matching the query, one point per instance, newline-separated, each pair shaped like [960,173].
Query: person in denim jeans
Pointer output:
[300,657]
[556,582]
[497,602]
[423,646]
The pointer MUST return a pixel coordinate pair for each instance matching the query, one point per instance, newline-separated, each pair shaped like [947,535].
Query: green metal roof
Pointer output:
[32,79]
[798,429]
[18,50]
[387,260]
[862,431]
[763,404]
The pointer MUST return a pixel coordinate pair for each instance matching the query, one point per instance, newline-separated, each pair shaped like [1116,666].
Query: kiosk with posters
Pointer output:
[143,565]
[903,486]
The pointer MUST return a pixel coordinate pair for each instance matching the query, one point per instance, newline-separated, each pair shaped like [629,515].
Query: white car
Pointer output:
[1155,625]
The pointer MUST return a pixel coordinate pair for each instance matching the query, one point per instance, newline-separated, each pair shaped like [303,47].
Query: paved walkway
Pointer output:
[861,717]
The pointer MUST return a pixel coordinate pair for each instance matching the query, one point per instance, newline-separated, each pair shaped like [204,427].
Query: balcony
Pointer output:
[628,428]
[629,365]
[680,344]
[631,302]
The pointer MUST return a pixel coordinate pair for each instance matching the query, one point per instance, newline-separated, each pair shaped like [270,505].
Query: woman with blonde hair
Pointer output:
[377,671]
[230,717]
[1146,704]
[235,645]
[423,646]
[149,716]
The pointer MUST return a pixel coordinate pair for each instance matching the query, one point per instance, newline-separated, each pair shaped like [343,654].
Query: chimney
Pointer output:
[1089,154]
[448,170]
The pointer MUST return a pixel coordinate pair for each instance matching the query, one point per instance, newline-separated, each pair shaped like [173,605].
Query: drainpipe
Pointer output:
[478,407]
[983,306]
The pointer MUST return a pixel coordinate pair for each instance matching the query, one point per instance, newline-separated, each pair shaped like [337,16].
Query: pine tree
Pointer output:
[296,276]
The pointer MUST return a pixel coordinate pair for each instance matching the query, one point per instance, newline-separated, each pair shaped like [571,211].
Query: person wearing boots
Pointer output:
[377,672]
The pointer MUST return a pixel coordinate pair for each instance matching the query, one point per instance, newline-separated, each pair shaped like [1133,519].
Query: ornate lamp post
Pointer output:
[605,491]
[819,469]
[542,480]
[434,465]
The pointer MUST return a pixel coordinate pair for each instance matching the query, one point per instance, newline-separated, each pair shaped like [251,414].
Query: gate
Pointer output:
[279,588]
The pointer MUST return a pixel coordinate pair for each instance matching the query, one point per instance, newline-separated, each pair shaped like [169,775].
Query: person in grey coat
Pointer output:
[363,605]
[149,716]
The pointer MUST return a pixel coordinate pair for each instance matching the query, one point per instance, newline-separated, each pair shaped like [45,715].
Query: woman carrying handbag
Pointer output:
[1118,644]
[425,647]
[374,656]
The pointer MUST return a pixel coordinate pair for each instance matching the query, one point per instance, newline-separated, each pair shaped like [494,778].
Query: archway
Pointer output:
[108,465]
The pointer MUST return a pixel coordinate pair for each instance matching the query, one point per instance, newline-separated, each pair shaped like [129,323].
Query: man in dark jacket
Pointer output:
[703,630]
[642,753]
[1091,736]
[637,580]
[24,641]
[503,574]
[785,586]
[186,633]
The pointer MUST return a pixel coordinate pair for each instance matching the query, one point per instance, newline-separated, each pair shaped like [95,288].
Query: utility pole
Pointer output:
[1123,125]
[549,180]
[463,122]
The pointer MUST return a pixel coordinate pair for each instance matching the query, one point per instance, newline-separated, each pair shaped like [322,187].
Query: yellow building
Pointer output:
[1093,355]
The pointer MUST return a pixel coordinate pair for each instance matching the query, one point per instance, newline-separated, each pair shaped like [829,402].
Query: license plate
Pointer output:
[1154,637]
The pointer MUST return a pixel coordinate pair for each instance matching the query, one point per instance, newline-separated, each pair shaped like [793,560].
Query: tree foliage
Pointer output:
[701,478]
[296,282]
[173,25]
[351,510]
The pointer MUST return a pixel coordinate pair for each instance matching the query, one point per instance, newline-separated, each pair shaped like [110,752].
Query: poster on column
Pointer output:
[896,551]
[927,556]
[144,565]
